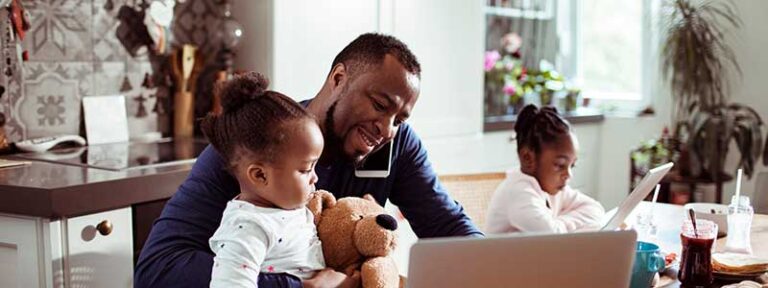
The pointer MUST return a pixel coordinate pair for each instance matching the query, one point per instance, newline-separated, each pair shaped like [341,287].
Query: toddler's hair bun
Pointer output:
[242,89]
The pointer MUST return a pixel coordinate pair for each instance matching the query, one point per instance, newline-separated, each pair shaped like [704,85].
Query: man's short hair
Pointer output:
[369,49]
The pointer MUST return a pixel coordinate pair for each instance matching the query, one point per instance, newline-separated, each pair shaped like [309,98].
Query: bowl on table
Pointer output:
[717,213]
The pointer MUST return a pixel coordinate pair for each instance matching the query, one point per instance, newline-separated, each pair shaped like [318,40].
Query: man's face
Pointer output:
[370,107]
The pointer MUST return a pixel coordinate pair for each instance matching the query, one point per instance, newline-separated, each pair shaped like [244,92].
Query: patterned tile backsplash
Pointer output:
[74,53]
[61,30]
[52,94]
[106,47]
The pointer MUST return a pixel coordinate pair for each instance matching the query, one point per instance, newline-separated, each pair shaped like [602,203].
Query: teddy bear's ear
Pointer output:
[319,201]
[370,198]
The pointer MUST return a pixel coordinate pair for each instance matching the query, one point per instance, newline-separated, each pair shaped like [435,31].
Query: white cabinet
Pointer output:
[448,41]
[585,176]
[294,42]
[22,252]
[96,260]
[69,252]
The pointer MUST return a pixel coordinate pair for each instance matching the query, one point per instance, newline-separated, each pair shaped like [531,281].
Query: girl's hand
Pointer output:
[330,278]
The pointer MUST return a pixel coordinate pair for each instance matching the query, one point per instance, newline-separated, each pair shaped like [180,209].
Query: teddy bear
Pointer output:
[357,234]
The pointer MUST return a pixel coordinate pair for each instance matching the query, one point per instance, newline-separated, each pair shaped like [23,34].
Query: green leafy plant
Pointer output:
[696,58]
[650,154]
[695,54]
[544,82]
[507,80]
[711,132]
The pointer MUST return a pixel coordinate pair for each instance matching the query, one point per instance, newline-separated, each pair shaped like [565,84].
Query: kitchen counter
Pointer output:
[54,190]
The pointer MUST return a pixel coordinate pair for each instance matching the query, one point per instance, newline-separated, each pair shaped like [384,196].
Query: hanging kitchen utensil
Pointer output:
[17,18]
[158,21]
[131,31]
[20,23]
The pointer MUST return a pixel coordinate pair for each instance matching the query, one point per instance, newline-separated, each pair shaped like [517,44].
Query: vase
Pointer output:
[545,98]
[572,100]
[516,105]
[495,100]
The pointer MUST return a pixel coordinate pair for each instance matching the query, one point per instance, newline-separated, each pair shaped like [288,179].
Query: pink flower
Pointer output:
[511,42]
[509,89]
[490,59]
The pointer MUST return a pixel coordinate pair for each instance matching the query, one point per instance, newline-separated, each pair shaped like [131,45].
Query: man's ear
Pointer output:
[338,76]
[527,158]
[257,174]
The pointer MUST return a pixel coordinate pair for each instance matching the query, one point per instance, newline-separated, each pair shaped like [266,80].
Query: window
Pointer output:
[614,49]
[520,35]
[604,48]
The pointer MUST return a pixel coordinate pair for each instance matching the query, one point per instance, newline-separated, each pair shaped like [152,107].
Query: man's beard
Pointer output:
[333,141]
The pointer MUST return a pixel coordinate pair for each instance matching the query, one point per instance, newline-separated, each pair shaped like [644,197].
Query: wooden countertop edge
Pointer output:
[72,201]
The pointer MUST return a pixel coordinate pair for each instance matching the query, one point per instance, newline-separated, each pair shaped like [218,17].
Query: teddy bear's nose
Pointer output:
[386,222]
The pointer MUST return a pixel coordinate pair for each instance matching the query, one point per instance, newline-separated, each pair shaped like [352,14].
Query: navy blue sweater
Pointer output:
[176,253]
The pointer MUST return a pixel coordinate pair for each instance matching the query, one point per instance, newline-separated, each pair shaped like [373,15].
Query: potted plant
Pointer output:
[695,55]
[501,82]
[509,84]
[711,131]
[695,60]
[545,82]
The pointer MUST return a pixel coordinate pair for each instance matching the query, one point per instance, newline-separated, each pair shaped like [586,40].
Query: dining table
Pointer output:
[668,219]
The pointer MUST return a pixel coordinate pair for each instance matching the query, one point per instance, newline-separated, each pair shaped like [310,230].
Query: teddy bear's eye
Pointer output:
[361,217]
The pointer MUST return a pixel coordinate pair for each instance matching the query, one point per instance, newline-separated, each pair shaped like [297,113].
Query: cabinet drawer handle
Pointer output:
[104,227]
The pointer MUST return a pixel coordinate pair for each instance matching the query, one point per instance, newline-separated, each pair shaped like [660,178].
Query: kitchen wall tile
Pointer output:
[61,30]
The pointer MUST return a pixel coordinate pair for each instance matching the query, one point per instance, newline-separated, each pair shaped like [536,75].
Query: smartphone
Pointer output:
[377,164]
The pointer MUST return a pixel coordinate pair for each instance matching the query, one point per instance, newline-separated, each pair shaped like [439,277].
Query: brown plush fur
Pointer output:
[352,238]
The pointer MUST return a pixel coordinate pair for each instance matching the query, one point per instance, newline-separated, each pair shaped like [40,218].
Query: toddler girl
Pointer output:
[271,145]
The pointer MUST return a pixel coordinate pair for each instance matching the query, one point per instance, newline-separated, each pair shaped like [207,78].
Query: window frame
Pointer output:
[570,35]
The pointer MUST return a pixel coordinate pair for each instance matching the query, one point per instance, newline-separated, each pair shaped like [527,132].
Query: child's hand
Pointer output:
[352,281]
[330,278]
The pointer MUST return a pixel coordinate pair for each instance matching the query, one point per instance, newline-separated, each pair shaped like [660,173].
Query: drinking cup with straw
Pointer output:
[739,221]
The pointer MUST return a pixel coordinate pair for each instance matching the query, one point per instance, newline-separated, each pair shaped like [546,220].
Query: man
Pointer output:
[363,105]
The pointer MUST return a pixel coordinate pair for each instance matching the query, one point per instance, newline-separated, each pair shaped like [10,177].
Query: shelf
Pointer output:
[507,122]
[518,13]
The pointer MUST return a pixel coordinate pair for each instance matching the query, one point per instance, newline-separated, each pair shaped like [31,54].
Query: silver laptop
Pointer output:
[592,259]
[638,194]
